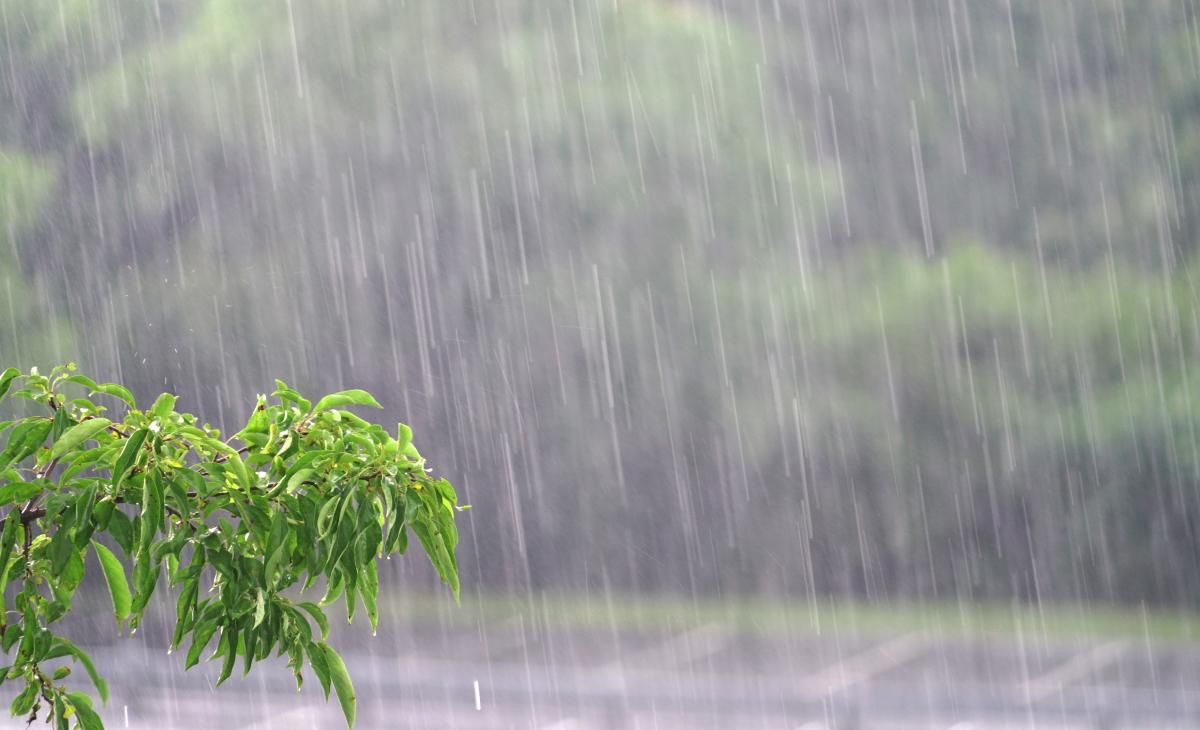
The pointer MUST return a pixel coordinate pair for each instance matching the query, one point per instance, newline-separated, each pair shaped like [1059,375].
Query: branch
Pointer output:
[112,427]
[222,458]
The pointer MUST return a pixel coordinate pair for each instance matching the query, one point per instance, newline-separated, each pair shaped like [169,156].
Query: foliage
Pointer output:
[303,493]
[654,258]
[1035,423]
[27,184]
[346,172]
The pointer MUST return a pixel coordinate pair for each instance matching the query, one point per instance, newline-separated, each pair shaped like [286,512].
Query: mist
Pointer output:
[805,363]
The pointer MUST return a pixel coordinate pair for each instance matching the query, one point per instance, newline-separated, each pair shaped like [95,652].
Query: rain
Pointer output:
[808,364]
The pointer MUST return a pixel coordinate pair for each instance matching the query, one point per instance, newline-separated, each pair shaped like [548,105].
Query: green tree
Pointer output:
[304,492]
[986,427]
[558,171]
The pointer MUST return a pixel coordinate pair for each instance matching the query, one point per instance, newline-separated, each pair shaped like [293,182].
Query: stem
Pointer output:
[222,458]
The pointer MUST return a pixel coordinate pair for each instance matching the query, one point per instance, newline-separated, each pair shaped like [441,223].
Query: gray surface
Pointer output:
[707,677]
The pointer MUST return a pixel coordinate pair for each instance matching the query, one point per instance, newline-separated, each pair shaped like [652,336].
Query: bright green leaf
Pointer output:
[63,647]
[341,683]
[352,397]
[117,391]
[200,638]
[6,380]
[318,615]
[20,491]
[24,439]
[114,575]
[88,719]
[260,607]
[76,435]
[163,405]
[129,456]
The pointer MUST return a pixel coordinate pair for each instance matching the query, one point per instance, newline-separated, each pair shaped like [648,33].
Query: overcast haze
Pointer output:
[726,317]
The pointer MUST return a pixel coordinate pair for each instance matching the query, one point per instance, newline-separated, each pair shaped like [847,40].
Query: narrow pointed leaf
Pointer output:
[114,575]
[76,435]
[6,380]
[352,397]
[341,683]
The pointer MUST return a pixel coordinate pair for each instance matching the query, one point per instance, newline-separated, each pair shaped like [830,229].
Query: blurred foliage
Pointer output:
[304,492]
[874,298]
[987,425]
[27,334]
[1065,128]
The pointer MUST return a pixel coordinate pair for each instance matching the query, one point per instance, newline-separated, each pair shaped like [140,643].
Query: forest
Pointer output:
[884,299]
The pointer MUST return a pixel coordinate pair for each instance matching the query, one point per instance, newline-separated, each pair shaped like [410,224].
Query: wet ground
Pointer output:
[517,674]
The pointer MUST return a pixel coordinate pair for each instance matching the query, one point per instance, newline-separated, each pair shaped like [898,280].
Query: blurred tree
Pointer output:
[408,177]
[986,427]
[1062,129]
[878,269]
[27,333]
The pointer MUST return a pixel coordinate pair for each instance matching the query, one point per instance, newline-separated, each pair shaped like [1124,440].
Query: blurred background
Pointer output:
[847,347]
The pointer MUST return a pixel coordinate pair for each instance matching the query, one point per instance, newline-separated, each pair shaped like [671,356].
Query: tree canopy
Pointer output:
[890,268]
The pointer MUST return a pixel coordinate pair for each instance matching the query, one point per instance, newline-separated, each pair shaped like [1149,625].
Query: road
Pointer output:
[520,674]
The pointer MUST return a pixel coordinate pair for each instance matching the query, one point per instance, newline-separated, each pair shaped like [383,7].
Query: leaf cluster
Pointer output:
[303,495]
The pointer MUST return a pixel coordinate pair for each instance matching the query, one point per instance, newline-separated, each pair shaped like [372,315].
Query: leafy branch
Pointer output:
[303,493]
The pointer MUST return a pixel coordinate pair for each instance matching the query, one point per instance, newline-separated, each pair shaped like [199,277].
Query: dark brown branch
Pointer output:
[222,458]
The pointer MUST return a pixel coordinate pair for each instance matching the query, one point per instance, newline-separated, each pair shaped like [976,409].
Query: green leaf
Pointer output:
[320,665]
[318,615]
[62,421]
[23,702]
[249,642]
[61,547]
[260,607]
[369,590]
[352,397]
[114,575]
[129,456]
[12,533]
[25,438]
[325,518]
[84,506]
[12,635]
[240,471]
[20,491]
[164,404]
[446,489]
[145,578]
[200,638]
[404,436]
[63,647]
[120,526]
[341,683]
[117,391]
[277,556]
[151,517]
[88,719]
[296,479]
[6,380]
[72,573]
[286,394]
[83,380]
[76,435]
[184,609]
[229,644]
